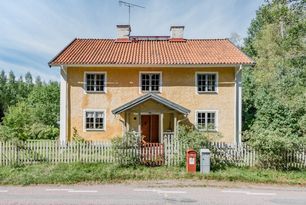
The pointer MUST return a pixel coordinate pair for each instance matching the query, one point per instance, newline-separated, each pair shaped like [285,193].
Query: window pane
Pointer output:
[145,82]
[100,79]
[201,120]
[90,82]
[201,82]
[211,80]
[89,120]
[155,82]
[99,120]
[211,121]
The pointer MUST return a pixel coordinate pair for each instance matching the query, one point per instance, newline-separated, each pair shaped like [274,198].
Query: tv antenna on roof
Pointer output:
[130,5]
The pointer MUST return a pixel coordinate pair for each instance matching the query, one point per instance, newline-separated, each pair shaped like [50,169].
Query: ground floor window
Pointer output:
[94,120]
[206,120]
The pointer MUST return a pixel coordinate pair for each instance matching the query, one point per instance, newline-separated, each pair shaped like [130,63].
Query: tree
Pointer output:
[28,111]
[38,81]
[34,117]
[28,78]
[274,90]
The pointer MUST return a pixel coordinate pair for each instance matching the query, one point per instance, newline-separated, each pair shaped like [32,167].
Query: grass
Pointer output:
[110,173]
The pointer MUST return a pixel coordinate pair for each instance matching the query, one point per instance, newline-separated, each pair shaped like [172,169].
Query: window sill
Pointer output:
[90,130]
[95,92]
[207,92]
[211,131]
[156,92]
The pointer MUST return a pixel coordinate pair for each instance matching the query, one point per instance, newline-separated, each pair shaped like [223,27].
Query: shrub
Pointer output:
[274,148]
[125,149]
[195,139]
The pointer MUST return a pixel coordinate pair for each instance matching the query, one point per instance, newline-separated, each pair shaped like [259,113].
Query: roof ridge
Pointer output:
[188,39]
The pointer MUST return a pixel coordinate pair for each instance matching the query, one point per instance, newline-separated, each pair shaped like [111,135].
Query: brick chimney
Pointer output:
[123,33]
[177,33]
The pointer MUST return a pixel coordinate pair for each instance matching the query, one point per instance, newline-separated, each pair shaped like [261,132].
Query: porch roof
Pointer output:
[151,96]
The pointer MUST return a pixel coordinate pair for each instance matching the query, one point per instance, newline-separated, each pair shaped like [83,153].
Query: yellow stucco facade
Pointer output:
[122,86]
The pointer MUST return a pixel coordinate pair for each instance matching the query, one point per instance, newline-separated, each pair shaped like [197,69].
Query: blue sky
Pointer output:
[33,31]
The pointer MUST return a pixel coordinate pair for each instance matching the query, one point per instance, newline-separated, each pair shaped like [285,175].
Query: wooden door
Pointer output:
[149,128]
[145,127]
[154,128]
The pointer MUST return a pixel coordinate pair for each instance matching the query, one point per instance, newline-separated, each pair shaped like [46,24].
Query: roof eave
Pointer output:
[154,65]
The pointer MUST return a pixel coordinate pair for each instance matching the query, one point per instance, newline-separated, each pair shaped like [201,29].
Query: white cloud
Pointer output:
[38,30]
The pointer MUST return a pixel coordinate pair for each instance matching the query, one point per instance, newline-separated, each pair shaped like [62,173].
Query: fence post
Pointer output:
[1,151]
[79,154]
[17,153]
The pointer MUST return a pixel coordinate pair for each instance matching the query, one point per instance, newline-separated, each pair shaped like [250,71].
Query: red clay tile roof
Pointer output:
[150,52]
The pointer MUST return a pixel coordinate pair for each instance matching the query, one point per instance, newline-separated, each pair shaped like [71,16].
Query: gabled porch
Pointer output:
[152,117]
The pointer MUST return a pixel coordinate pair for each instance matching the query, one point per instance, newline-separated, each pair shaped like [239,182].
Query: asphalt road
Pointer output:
[147,194]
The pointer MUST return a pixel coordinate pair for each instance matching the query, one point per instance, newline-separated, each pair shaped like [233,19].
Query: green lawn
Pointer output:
[109,173]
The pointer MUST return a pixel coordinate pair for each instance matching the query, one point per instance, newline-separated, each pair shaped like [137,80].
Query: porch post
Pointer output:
[126,121]
[161,127]
[139,124]
[174,125]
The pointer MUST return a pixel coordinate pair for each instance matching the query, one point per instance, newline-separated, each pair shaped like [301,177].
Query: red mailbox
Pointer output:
[191,157]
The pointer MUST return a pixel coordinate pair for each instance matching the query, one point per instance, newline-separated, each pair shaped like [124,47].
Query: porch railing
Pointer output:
[152,154]
[167,135]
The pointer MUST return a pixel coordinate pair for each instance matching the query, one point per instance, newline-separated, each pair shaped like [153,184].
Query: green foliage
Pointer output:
[45,102]
[195,139]
[31,110]
[124,149]
[110,173]
[12,90]
[274,90]
[274,149]
[21,123]
[76,137]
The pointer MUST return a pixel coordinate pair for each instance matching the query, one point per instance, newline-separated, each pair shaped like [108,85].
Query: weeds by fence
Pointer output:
[171,150]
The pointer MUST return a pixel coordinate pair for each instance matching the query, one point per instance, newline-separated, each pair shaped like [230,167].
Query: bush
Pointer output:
[195,139]
[274,148]
[124,149]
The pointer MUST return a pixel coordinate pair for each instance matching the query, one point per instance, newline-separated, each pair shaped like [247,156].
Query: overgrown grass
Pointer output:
[109,173]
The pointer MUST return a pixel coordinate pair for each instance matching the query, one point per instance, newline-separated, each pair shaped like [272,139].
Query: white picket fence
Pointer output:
[51,151]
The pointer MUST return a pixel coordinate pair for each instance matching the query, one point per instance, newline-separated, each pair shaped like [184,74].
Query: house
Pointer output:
[150,85]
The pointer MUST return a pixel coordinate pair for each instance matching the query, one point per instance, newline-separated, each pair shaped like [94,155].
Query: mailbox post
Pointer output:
[191,157]
[204,161]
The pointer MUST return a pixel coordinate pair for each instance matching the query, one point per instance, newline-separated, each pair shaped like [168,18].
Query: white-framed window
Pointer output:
[150,81]
[94,119]
[206,82]
[206,120]
[95,82]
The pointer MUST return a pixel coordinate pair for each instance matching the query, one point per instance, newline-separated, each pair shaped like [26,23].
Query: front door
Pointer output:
[149,128]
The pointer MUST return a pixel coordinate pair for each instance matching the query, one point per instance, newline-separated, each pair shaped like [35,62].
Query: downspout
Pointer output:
[238,105]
